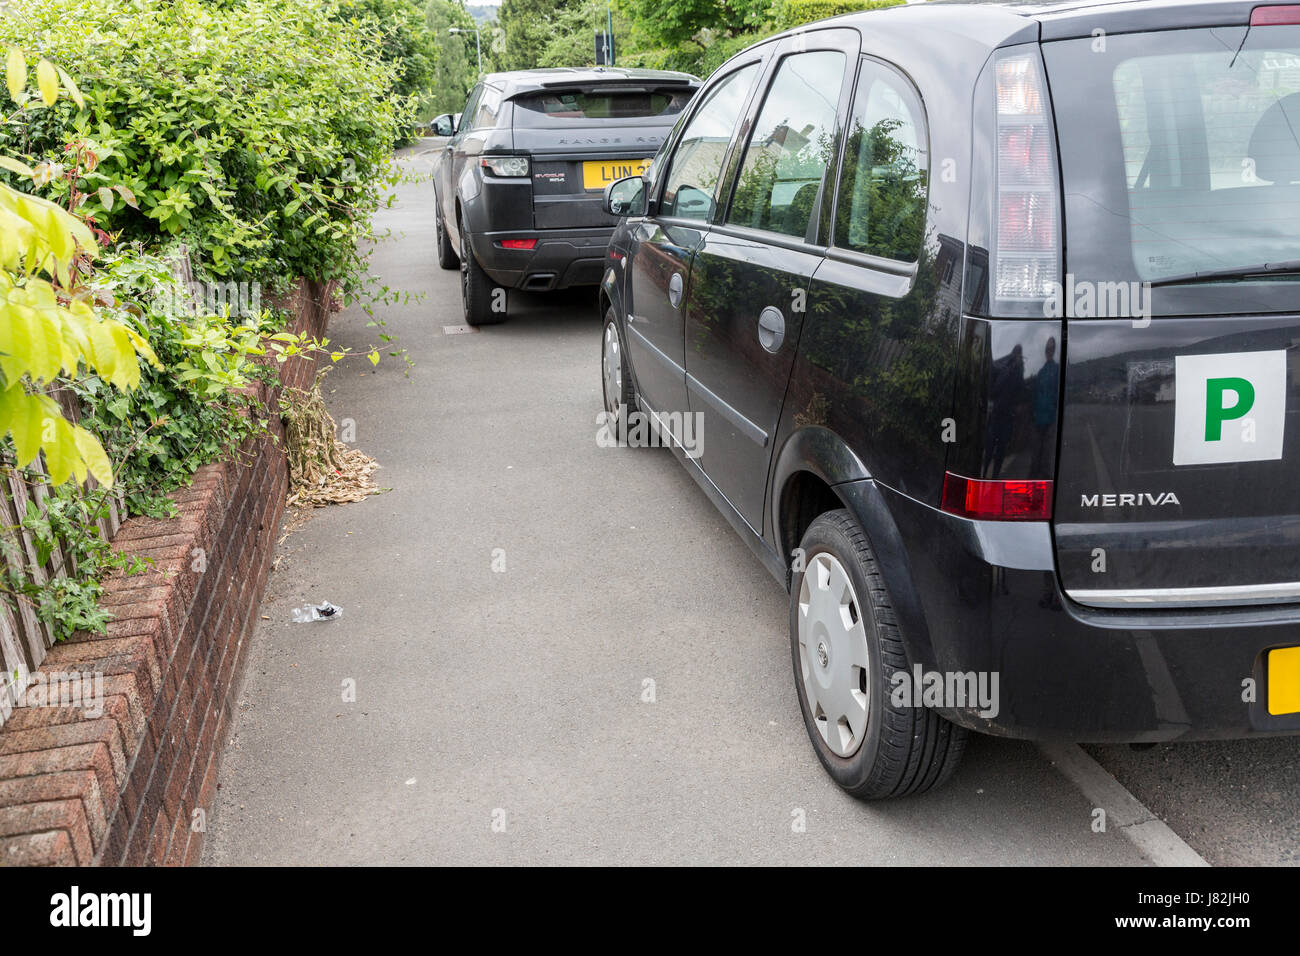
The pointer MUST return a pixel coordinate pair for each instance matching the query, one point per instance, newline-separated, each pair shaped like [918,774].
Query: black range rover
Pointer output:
[981,324]
[519,183]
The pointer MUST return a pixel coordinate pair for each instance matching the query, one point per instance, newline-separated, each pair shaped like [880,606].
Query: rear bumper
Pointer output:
[560,259]
[984,597]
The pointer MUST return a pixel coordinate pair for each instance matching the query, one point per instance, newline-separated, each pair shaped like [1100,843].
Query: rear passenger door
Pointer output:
[664,244]
[750,277]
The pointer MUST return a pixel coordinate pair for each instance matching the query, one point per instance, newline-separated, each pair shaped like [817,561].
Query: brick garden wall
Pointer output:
[123,787]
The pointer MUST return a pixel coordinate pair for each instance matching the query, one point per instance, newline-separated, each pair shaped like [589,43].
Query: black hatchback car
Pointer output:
[519,183]
[985,323]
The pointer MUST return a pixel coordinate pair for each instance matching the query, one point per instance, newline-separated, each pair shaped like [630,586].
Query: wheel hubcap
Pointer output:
[613,369]
[833,659]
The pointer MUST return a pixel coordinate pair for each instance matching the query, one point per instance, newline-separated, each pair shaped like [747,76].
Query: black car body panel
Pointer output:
[551,207]
[898,374]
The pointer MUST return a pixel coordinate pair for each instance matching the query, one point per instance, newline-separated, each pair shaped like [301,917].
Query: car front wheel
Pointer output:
[616,382]
[846,647]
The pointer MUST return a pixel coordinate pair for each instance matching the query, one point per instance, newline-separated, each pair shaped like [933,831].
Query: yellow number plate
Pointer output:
[1284,681]
[599,175]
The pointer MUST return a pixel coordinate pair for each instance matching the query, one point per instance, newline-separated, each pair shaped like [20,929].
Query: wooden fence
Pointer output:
[24,637]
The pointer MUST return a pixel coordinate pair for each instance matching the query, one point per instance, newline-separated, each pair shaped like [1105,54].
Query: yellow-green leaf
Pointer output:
[93,454]
[374,358]
[106,197]
[16,73]
[14,166]
[71,87]
[47,78]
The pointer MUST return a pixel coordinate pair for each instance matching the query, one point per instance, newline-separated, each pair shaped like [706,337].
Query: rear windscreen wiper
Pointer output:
[1264,269]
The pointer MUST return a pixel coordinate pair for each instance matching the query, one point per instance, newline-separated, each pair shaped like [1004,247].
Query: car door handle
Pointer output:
[675,285]
[771,328]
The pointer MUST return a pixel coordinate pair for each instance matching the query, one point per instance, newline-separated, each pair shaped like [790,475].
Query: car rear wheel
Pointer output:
[447,258]
[483,299]
[846,647]
[616,382]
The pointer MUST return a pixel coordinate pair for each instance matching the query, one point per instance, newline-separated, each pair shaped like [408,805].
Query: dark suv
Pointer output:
[519,183]
[985,323]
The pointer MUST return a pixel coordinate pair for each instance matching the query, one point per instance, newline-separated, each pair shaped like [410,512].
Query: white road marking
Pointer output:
[1147,832]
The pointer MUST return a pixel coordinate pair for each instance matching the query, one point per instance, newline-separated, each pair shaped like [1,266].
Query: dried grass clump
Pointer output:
[322,469]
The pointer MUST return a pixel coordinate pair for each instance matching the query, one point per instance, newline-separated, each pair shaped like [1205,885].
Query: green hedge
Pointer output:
[257,131]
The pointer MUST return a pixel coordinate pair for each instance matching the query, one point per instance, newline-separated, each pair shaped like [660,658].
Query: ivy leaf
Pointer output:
[16,73]
[47,78]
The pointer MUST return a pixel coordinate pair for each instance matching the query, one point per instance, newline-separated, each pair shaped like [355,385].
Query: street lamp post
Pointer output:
[478,47]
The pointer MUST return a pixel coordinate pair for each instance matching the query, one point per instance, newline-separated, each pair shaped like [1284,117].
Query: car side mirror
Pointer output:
[455,121]
[625,197]
[442,125]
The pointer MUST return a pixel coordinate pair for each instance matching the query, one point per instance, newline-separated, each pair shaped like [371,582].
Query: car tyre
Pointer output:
[616,380]
[447,258]
[484,300]
[845,646]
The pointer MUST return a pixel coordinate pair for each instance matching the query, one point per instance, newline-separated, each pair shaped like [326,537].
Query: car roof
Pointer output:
[526,81]
[985,20]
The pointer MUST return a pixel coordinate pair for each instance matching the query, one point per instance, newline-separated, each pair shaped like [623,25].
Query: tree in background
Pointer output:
[674,23]
[407,43]
[573,41]
[691,35]
[530,27]
[457,67]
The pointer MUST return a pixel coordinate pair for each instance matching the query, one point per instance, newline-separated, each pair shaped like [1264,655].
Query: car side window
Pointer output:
[487,109]
[471,107]
[791,145]
[691,183]
[885,179]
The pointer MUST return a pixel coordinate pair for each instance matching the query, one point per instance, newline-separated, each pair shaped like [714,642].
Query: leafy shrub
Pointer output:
[192,409]
[48,324]
[793,13]
[258,131]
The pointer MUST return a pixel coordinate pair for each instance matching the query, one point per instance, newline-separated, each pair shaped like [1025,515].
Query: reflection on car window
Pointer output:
[696,166]
[791,145]
[489,105]
[882,197]
[471,107]
[582,105]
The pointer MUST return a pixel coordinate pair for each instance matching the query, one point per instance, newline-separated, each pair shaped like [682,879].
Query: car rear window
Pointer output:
[1180,152]
[558,106]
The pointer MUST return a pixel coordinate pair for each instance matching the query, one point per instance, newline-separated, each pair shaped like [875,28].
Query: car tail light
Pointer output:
[997,500]
[505,166]
[1027,256]
[1274,16]
[518,243]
